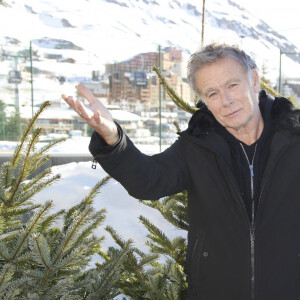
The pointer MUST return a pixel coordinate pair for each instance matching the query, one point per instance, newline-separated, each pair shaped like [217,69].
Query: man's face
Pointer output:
[229,94]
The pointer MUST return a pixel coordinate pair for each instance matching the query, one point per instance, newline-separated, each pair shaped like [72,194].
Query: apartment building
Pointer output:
[133,82]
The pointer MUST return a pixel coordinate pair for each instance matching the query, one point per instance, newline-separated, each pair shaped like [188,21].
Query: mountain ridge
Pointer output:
[116,29]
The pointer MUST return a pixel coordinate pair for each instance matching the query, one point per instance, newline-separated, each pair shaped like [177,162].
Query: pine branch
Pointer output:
[21,196]
[132,265]
[30,227]
[34,274]
[26,132]
[196,100]
[22,172]
[49,146]
[104,281]
[49,220]
[39,158]
[155,234]
[10,294]
[40,250]
[173,208]
[23,258]
[87,201]
[269,89]
[158,249]
[97,220]
[4,252]
[175,98]
[34,162]
[115,236]
[148,259]
[71,260]
[155,285]
[35,180]
[6,273]
[71,234]
[140,253]
[96,190]
[62,289]
[177,126]
[15,213]
[8,173]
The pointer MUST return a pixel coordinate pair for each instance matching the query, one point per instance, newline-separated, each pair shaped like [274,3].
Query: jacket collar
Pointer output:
[279,112]
[284,116]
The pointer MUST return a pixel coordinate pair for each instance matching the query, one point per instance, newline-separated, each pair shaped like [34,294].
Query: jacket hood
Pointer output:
[283,116]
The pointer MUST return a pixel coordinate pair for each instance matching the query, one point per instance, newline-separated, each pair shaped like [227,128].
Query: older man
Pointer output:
[239,162]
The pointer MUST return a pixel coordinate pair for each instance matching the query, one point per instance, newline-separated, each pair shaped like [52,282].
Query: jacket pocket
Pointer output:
[198,258]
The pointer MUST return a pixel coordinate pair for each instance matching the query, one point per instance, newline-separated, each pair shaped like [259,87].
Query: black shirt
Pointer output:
[257,154]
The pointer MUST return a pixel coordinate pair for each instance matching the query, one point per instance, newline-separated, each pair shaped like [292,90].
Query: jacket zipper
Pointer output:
[94,163]
[251,224]
[193,271]
[251,231]
[252,234]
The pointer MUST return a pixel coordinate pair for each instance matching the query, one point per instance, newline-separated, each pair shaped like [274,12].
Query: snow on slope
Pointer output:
[116,30]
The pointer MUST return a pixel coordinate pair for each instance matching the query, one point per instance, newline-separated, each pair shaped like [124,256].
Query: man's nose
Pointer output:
[226,98]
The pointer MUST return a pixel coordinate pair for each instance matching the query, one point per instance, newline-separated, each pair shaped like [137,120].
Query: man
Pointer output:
[239,162]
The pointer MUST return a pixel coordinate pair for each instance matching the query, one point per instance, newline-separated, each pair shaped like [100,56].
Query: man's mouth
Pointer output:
[232,113]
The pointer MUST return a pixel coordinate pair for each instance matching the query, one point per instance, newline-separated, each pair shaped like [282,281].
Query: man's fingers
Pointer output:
[67,99]
[86,93]
[93,101]
[71,102]
[97,114]
[98,117]
[82,111]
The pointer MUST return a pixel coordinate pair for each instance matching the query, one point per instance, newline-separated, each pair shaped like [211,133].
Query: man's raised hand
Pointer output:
[96,115]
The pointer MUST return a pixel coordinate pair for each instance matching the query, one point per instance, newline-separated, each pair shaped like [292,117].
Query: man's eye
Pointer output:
[212,95]
[233,85]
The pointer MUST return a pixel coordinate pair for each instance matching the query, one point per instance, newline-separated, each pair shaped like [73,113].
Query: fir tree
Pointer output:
[39,260]
[143,277]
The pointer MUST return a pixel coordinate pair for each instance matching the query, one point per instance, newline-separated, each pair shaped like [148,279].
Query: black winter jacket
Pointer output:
[227,258]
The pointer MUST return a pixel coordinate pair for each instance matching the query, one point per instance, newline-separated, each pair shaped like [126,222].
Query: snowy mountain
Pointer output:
[114,29]
[94,32]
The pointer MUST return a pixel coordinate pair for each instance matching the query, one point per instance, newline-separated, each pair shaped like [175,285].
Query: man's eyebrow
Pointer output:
[208,91]
[226,83]
[232,80]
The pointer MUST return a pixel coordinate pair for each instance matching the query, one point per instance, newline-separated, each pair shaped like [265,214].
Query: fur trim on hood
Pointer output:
[283,116]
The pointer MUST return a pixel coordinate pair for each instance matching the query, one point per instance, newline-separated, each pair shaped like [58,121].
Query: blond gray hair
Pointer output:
[213,52]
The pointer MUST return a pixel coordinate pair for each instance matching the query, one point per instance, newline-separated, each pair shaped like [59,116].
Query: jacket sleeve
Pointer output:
[143,176]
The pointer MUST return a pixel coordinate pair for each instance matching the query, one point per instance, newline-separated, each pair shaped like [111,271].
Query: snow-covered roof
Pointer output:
[50,113]
[122,115]
[165,115]
[68,114]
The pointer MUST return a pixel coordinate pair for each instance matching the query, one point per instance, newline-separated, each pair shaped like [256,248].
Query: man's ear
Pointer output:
[255,80]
